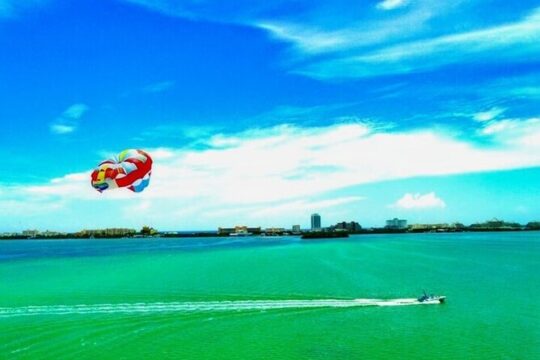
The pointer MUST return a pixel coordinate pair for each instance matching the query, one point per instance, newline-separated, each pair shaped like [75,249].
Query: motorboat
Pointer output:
[431,299]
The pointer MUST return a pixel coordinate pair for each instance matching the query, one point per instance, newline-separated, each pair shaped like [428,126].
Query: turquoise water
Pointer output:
[282,298]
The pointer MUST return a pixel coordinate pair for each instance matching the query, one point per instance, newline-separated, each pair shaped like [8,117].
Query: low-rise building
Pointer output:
[107,233]
[352,226]
[9,234]
[52,234]
[31,233]
[274,231]
[239,230]
[437,227]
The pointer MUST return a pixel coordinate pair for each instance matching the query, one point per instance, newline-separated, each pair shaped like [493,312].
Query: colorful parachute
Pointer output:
[132,170]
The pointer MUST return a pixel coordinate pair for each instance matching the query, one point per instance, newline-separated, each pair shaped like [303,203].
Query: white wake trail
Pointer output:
[198,306]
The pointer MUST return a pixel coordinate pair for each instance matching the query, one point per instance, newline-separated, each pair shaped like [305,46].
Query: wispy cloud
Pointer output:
[419,201]
[313,39]
[214,10]
[75,111]
[514,40]
[522,87]
[390,37]
[69,120]
[488,114]
[311,26]
[6,8]
[391,4]
[300,206]
[159,86]
[186,9]
[11,8]
[177,132]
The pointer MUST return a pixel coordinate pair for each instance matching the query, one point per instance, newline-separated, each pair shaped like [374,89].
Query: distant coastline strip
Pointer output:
[199,306]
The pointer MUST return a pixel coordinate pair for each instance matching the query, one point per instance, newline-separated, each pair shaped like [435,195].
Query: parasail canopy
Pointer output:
[131,169]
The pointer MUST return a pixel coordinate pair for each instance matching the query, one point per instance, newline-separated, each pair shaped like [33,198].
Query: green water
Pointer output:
[491,281]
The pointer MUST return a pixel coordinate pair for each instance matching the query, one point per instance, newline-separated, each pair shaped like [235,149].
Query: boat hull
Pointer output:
[433,300]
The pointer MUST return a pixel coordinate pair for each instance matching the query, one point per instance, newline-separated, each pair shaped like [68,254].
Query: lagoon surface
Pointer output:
[272,298]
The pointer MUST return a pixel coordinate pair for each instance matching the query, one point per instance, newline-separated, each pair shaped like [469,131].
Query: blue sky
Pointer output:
[261,112]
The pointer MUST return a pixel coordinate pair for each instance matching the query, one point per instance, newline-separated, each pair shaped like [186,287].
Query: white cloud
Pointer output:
[391,4]
[260,173]
[532,139]
[62,129]
[497,127]
[24,208]
[69,120]
[162,154]
[517,132]
[71,184]
[489,114]
[288,162]
[419,201]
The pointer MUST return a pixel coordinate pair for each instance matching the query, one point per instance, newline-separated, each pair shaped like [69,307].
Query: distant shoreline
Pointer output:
[215,234]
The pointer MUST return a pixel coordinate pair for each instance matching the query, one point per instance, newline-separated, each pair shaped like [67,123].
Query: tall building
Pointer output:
[296,229]
[396,223]
[315,222]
